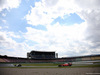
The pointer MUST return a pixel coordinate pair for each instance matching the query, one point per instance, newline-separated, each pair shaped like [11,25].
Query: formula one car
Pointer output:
[18,65]
[66,64]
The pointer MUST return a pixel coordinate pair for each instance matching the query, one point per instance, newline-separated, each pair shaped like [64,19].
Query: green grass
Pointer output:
[52,65]
[39,64]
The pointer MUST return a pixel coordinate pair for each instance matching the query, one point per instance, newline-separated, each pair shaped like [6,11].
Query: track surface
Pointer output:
[50,71]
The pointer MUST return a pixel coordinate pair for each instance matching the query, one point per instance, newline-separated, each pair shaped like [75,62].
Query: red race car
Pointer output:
[66,64]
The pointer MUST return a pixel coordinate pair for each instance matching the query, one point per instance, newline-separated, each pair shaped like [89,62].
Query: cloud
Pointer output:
[10,47]
[91,14]
[4,14]
[0,27]
[88,4]
[46,11]
[4,21]
[8,4]
[78,39]
[62,39]
[65,40]
[12,34]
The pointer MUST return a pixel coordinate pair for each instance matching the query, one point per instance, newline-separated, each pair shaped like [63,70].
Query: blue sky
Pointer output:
[15,17]
[16,21]
[69,19]
[66,27]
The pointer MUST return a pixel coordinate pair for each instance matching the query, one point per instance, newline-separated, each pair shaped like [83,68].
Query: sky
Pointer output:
[68,27]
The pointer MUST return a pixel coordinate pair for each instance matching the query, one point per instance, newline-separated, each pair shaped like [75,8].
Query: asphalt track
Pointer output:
[28,70]
[6,65]
[50,71]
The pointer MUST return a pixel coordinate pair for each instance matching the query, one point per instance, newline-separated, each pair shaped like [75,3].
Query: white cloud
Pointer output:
[62,39]
[10,47]
[78,39]
[9,4]
[0,27]
[91,14]
[4,14]
[12,34]
[88,4]
[46,11]
[4,21]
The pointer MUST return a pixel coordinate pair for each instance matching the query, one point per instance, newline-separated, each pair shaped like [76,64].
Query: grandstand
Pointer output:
[8,59]
[41,55]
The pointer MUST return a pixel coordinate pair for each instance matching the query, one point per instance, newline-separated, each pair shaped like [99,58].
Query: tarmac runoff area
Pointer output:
[50,71]
[6,65]
[11,65]
[10,69]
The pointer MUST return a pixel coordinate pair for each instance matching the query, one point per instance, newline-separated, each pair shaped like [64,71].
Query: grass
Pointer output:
[39,64]
[52,65]
[89,66]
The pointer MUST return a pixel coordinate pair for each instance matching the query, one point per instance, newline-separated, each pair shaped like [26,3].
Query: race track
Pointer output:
[50,71]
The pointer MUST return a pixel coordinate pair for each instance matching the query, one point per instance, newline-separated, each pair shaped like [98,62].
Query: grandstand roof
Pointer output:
[41,51]
[82,56]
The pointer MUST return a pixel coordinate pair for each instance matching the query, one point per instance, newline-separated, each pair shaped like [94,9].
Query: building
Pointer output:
[42,55]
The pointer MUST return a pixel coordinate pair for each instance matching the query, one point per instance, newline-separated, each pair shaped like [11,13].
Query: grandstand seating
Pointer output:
[68,59]
[1,60]
[41,55]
